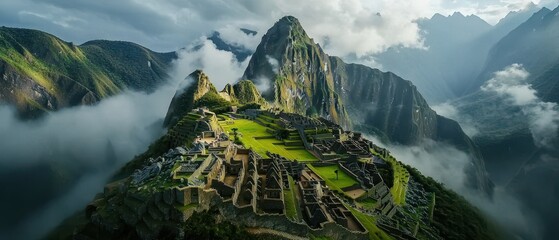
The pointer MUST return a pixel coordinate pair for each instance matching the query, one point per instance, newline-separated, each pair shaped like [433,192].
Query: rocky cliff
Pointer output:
[292,72]
[298,76]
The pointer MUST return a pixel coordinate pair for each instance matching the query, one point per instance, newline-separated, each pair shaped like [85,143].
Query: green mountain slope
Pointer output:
[40,72]
[301,78]
[148,209]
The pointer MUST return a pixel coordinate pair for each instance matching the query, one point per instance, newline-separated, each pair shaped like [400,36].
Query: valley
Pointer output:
[349,121]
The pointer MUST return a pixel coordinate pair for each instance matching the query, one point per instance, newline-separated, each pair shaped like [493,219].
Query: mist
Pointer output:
[221,66]
[448,166]
[543,117]
[467,123]
[78,148]
[54,166]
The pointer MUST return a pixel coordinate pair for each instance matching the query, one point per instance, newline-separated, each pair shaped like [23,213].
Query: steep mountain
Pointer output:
[294,73]
[537,185]
[203,192]
[532,44]
[41,73]
[513,157]
[547,84]
[457,48]
[511,21]
[301,78]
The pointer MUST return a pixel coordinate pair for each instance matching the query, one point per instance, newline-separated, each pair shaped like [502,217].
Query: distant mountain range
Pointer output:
[457,49]
[41,73]
[507,142]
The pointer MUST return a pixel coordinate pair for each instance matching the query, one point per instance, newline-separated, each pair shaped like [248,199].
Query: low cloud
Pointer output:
[466,122]
[510,84]
[273,63]
[80,146]
[441,161]
[263,84]
[363,27]
[449,166]
[236,37]
[83,146]
[221,66]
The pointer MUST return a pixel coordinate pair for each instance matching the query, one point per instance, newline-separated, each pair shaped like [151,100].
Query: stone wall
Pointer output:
[247,218]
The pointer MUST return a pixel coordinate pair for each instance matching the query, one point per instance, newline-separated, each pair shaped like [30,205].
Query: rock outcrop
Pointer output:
[192,89]
[243,92]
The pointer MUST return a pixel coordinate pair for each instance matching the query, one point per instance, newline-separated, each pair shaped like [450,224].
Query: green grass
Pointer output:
[367,203]
[401,177]
[328,174]
[369,223]
[268,122]
[223,117]
[249,129]
[267,118]
[290,201]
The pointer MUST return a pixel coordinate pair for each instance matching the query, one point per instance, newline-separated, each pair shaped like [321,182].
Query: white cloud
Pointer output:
[449,166]
[274,63]
[76,139]
[467,123]
[510,83]
[80,137]
[440,161]
[232,35]
[343,27]
[221,66]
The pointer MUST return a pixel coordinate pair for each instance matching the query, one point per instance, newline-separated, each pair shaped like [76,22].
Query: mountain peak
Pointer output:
[544,10]
[276,48]
[290,20]
[194,87]
[290,27]
[458,14]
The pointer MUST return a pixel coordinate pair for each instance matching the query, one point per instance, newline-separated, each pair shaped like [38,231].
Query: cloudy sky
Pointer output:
[343,27]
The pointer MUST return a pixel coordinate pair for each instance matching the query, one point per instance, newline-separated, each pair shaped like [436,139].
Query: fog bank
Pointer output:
[448,165]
